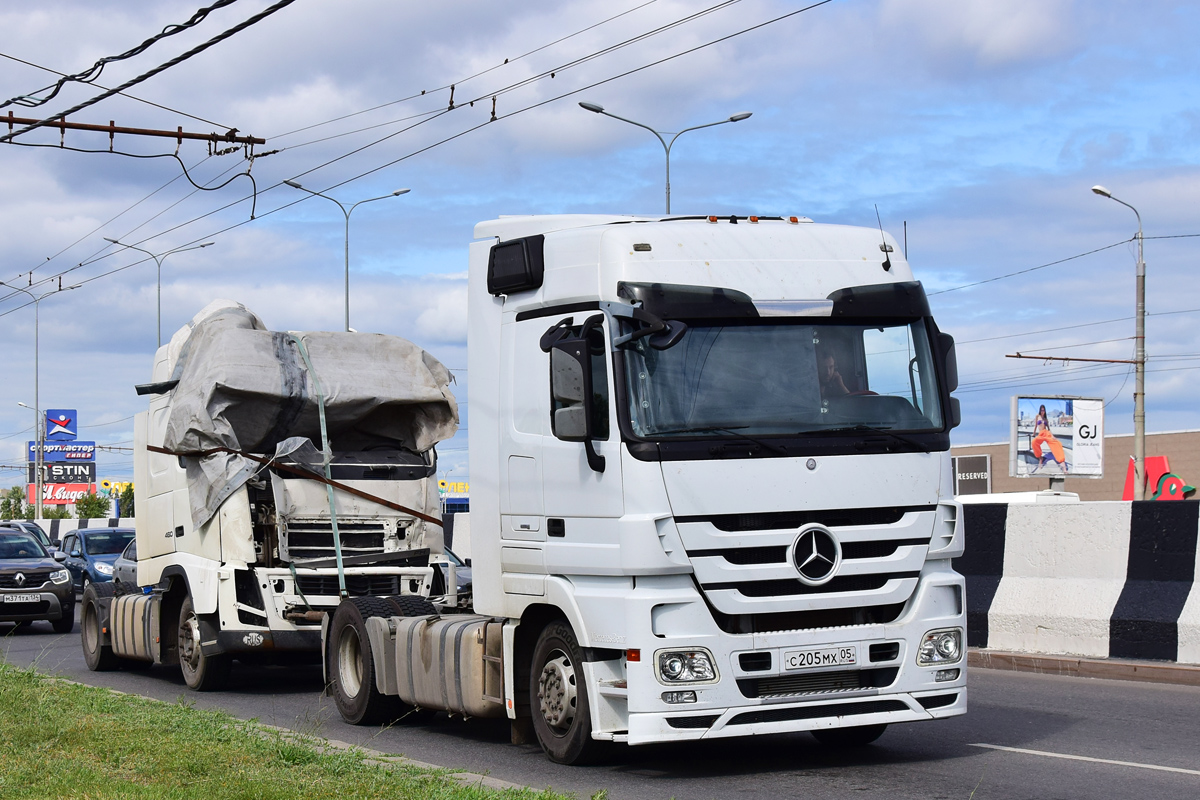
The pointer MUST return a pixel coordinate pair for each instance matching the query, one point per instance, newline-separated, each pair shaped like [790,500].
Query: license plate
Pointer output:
[823,657]
[22,598]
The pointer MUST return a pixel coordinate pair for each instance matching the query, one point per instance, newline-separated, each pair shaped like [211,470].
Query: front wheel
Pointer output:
[562,716]
[67,623]
[99,656]
[849,737]
[350,664]
[202,673]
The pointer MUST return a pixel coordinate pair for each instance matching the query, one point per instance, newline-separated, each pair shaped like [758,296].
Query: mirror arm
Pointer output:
[594,459]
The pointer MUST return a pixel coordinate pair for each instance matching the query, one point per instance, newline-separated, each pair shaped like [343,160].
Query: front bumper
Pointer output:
[52,605]
[630,705]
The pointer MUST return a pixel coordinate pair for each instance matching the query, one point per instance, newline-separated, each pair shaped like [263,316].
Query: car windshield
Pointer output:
[784,377]
[106,543]
[18,544]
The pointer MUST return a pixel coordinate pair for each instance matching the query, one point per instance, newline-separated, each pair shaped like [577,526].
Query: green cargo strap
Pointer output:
[326,457]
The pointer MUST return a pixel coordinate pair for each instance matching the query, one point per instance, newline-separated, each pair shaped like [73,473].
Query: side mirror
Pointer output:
[949,360]
[569,379]
[955,413]
[466,562]
[59,556]
[75,554]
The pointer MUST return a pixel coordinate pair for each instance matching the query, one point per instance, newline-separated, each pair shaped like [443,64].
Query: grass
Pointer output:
[59,739]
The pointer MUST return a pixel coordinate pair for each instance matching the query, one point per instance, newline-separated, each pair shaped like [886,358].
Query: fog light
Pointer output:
[679,697]
[945,675]
[940,647]
[685,666]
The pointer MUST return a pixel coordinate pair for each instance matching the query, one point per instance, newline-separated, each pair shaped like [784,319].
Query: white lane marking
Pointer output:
[1088,758]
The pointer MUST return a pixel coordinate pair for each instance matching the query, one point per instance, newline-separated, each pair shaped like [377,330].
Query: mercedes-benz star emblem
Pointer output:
[19,579]
[817,555]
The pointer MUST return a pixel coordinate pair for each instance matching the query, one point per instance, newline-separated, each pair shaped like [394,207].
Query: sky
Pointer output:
[977,129]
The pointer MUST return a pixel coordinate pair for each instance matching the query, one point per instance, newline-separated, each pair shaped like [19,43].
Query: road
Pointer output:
[1152,726]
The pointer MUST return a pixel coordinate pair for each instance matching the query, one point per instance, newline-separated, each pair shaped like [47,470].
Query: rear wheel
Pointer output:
[350,664]
[562,716]
[99,656]
[202,673]
[849,737]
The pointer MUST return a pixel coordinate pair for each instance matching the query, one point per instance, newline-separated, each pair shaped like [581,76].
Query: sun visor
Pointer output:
[905,300]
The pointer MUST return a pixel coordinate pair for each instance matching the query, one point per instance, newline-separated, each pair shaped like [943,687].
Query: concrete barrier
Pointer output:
[57,528]
[1101,579]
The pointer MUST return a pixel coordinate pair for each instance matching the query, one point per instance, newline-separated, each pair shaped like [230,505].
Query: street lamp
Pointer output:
[347,213]
[596,109]
[158,259]
[40,427]
[1139,361]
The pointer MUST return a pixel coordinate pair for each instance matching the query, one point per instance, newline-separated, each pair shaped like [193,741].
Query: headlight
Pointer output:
[940,647]
[104,569]
[60,576]
[685,666]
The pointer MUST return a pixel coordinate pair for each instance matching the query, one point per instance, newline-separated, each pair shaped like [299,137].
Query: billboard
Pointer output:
[62,425]
[1056,436]
[82,472]
[59,452]
[62,493]
[972,474]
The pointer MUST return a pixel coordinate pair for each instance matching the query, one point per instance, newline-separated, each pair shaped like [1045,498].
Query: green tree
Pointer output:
[127,507]
[13,505]
[90,506]
[55,512]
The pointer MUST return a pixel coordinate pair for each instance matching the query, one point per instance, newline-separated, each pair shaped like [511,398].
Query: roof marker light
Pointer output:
[753,220]
[712,218]
[794,220]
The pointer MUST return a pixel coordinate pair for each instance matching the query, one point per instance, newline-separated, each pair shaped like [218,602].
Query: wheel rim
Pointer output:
[189,643]
[91,633]
[350,662]
[557,692]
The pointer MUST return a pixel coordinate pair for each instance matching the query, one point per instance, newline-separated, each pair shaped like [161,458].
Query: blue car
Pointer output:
[91,553]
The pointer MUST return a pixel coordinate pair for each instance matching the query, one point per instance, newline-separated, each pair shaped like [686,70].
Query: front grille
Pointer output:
[705,721]
[310,539]
[833,518]
[356,585]
[937,701]
[808,620]
[34,578]
[24,609]
[816,712]
[817,683]
[788,587]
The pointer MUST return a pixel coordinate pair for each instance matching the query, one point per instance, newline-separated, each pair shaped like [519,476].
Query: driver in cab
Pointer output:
[832,384]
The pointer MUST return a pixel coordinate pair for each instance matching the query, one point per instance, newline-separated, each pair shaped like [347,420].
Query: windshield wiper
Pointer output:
[774,448]
[885,431]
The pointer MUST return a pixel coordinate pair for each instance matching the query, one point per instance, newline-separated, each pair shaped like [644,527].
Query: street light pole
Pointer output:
[1139,359]
[40,424]
[347,213]
[158,259]
[597,109]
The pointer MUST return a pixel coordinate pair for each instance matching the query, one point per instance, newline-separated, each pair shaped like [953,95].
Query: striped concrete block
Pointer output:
[57,528]
[1115,580]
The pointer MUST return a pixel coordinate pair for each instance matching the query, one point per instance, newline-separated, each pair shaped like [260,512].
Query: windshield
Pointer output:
[108,543]
[783,378]
[18,544]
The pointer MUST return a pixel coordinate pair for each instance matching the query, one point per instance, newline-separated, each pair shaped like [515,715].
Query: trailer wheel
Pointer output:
[558,694]
[202,673]
[859,736]
[350,664]
[99,656]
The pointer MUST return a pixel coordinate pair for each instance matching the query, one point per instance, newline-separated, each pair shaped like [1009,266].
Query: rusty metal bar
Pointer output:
[111,129]
[1065,358]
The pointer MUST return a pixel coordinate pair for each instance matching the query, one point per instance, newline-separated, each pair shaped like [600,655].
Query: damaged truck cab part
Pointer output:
[276,474]
[711,493]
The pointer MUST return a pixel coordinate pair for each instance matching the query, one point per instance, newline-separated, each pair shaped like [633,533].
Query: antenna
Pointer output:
[887,261]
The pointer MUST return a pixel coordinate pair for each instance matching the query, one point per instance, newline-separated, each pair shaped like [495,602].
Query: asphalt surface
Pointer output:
[1152,726]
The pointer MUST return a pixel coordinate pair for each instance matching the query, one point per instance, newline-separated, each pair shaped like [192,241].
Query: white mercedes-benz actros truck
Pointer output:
[275,474]
[711,493]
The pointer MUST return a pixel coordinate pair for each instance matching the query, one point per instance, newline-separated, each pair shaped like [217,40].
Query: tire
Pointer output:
[84,583]
[99,656]
[350,664]
[202,673]
[67,623]
[411,605]
[558,696]
[860,736]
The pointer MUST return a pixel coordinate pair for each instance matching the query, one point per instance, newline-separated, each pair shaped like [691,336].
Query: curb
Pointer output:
[1080,667]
